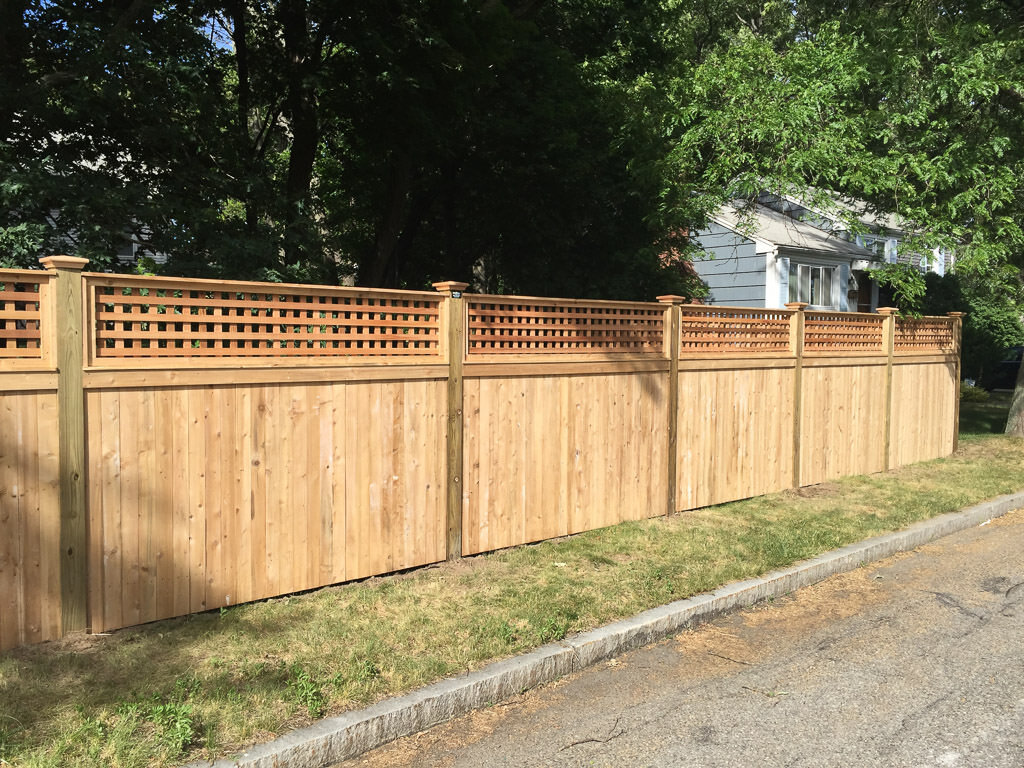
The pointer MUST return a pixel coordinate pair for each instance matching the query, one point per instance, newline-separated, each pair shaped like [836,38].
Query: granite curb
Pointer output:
[353,733]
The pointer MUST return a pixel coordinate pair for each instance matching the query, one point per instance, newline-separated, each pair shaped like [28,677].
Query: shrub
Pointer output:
[972,394]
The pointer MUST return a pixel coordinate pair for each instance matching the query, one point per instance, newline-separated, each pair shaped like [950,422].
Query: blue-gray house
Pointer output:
[778,250]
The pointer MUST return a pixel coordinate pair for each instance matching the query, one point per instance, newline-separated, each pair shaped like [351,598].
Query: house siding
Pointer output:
[733,271]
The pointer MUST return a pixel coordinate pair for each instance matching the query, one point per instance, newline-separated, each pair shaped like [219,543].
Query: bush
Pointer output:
[972,394]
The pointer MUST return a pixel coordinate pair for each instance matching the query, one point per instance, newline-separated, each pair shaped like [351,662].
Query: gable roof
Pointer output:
[769,227]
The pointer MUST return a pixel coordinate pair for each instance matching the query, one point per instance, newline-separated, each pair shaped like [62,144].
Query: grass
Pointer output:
[985,418]
[212,683]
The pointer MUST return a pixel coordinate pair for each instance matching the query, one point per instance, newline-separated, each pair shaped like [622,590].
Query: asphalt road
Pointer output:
[914,661]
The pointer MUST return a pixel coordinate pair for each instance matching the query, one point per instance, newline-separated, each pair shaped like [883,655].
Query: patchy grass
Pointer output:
[210,684]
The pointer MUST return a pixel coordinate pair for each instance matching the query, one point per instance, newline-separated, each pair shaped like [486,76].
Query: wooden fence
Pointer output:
[170,446]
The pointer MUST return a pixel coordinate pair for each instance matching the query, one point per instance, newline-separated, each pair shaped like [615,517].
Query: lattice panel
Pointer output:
[733,329]
[20,321]
[924,334]
[504,324]
[152,317]
[833,332]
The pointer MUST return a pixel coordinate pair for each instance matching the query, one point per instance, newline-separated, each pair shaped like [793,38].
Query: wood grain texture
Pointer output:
[547,456]
[735,435]
[842,422]
[30,594]
[233,476]
[211,496]
[68,337]
[923,411]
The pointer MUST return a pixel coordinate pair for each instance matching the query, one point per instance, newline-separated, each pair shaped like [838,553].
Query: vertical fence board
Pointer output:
[197,468]
[28,504]
[10,527]
[48,452]
[547,455]
[735,435]
[923,397]
[179,501]
[842,422]
[339,463]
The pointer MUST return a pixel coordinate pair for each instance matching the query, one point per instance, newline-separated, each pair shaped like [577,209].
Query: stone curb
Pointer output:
[353,733]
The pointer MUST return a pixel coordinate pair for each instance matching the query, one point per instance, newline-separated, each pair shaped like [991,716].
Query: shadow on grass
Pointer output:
[985,418]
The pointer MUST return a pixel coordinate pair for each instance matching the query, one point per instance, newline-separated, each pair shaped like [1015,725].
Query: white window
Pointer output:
[812,284]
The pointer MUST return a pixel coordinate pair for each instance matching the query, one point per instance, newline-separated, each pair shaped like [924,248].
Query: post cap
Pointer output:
[887,310]
[450,287]
[956,314]
[71,263]
[671,298]
[798,306]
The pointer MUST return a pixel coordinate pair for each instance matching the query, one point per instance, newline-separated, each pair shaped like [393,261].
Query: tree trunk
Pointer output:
[301,107]
[1015,419]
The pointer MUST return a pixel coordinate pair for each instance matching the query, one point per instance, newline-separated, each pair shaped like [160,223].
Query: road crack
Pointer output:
[951,602]
[729,658]
[613,734]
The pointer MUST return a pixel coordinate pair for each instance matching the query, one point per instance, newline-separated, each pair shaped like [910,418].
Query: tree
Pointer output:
[104,120]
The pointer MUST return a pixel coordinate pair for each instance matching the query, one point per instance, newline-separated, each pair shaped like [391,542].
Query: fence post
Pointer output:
[796,348]
[454,338]
[68,338]
[888,348]
[672,351]
[958,327]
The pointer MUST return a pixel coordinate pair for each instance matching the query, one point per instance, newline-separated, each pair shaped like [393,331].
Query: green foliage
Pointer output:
[554,148]
[907,284]
[306,691]
[972,394]
[174,723]
[993,306]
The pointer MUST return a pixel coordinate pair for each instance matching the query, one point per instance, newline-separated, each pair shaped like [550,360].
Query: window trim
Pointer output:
[794,292]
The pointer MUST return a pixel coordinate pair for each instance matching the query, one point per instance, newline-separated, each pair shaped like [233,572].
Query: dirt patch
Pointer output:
[814,491]
[458,733]
[1013,517]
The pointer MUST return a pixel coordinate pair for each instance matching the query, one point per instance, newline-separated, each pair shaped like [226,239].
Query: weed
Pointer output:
[507,634]
[7,744]
[366,670]
[174,724]
[306,691]
[552,629]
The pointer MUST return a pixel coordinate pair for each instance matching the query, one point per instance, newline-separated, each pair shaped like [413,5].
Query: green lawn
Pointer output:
[986,418]
[210,684]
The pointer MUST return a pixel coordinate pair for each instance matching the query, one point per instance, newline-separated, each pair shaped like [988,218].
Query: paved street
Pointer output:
[914,661]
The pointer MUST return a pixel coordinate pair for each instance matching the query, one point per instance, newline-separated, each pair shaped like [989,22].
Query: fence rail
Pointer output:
[229,441]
